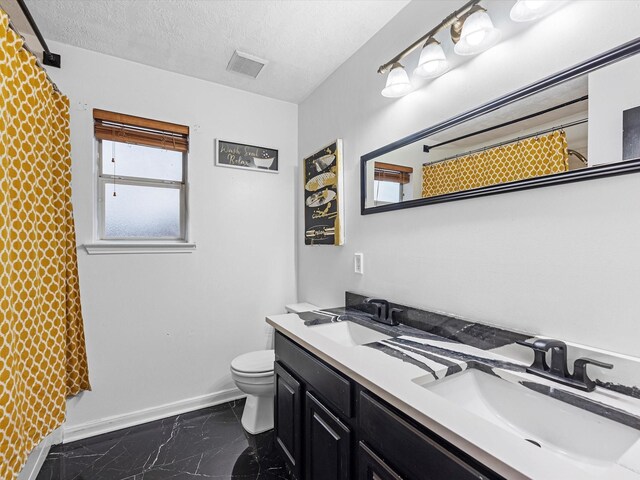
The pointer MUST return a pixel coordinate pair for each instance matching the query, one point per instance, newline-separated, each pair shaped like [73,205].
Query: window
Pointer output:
[389,181]
[387,192]
[142,172]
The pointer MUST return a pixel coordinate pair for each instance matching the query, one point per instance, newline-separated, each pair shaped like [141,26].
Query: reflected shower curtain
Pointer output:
[42,349]
[529,158]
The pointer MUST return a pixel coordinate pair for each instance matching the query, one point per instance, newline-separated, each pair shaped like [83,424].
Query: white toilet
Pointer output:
[253,374]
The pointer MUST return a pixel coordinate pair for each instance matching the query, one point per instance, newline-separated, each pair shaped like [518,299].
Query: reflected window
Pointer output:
[389,182]
[387,192]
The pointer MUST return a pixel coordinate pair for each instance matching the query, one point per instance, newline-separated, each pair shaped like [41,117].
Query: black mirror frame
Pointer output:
[606,170]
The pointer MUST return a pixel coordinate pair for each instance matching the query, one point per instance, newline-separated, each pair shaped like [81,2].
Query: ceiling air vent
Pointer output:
[246,64]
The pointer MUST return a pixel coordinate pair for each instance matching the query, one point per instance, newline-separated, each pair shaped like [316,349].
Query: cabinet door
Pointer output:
[372,467]
[415,453]
[328,443]
[288,418]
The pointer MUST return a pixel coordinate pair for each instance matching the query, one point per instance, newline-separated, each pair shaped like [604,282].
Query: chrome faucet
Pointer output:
[558,370]
[384,314]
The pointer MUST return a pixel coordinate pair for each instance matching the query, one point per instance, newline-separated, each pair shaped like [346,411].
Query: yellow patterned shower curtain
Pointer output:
[42,348]
[533,157]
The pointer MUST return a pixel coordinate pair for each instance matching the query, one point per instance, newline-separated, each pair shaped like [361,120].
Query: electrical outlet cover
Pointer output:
[358,263]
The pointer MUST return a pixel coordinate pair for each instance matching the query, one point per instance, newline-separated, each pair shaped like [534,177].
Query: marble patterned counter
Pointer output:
[429,347]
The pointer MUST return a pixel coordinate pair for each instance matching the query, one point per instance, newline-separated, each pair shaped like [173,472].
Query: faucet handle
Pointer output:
[382,306]
[580,371]
[392,316]
[539,355]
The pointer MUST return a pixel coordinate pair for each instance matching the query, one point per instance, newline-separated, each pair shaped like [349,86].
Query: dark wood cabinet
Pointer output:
[333,388]
[372,467]
[328,443]
[414,452]
[288,418]
[330,428]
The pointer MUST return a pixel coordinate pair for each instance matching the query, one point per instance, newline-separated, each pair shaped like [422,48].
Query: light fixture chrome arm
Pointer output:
[446,23]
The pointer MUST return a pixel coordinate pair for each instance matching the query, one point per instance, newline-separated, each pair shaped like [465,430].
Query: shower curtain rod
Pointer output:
[26,47]
[48,57]
[427,148]
[509,142]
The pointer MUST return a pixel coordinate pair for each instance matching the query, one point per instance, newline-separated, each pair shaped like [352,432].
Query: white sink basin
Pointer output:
[556,426]
[349,334]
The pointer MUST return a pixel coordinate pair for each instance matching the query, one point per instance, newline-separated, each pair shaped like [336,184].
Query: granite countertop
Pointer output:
[397,368]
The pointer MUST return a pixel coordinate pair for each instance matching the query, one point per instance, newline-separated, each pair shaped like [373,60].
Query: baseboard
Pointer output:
[117,422]
[37,457]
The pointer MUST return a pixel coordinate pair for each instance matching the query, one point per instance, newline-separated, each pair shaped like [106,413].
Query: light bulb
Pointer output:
[475,38]
[478,34]
[535,5]
[398,84]
[433,61]
[529,10]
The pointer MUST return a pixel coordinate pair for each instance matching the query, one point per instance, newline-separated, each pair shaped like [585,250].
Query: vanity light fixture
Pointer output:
[433,62]
[472,32]
[398,84]
[529,10]
[475,33]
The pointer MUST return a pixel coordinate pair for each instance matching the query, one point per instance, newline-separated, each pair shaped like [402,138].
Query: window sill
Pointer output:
[116,248]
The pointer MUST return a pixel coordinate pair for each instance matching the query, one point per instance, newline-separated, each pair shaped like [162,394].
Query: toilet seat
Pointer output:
[258,375]
[254,364]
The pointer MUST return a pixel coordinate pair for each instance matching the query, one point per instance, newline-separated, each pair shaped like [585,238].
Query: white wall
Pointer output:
[611,91]
[163,328]
[562,261]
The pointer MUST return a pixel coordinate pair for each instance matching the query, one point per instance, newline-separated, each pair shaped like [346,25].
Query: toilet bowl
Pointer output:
[253,374]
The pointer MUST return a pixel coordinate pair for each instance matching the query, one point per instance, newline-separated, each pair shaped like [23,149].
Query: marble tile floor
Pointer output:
[207,443]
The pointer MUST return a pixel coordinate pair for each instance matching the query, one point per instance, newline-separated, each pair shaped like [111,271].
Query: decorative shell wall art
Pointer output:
[323,210]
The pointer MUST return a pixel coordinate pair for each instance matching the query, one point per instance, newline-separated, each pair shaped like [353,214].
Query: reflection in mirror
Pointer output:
[570,126]
[541,135]
[391,183]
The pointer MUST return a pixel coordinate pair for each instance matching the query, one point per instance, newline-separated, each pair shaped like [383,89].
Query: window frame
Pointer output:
[102,179]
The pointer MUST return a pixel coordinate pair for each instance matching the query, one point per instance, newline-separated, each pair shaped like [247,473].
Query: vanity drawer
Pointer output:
[412,453]
[335,389]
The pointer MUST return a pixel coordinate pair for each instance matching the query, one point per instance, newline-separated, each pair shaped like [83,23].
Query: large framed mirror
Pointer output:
[581,123]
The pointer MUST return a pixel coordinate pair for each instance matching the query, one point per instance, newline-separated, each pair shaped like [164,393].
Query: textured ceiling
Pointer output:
[303,40]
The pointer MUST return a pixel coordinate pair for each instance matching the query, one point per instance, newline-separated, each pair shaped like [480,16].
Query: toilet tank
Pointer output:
[300,307]
[290,308]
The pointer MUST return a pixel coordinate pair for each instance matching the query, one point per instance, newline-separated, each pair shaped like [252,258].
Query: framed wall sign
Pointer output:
[248,157]
[323,209]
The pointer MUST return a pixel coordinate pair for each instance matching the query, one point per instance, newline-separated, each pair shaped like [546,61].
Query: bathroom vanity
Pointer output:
[330,427]
[355,399]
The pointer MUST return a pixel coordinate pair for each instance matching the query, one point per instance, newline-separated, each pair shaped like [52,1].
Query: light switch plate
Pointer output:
[358,263]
